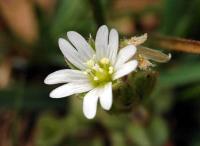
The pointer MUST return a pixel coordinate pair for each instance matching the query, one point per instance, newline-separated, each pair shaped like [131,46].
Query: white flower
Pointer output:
[97,68]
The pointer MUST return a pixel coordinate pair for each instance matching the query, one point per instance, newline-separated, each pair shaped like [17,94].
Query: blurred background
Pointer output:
[29,30]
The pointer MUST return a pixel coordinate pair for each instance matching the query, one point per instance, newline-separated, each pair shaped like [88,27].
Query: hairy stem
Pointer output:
[176,44]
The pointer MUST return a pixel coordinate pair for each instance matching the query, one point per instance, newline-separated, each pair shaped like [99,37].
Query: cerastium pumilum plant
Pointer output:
[99,66]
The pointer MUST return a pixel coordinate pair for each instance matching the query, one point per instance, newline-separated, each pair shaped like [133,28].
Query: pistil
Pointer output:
[99,72]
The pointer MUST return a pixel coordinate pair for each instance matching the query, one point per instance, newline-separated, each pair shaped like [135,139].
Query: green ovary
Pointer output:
[99,73]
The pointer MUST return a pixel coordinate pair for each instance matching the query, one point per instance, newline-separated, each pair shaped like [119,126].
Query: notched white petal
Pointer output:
[64,76]
[84,49]
[106,96]
[125,69]
[71,54]
[124,55]
[113,45]
[90,104]
[70,89]
[101,41]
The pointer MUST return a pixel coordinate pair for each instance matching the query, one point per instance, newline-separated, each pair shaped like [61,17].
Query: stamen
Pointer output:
[85,72]
[99,72]
[104,61]
[111,70]
[96,78]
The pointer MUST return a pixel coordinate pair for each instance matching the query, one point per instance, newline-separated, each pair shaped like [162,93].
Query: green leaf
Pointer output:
[181,74]
[138,135]
[72,14]
[158,131]
[173,13]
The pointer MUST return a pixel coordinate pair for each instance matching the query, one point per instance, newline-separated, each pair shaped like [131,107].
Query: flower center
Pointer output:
[99,72]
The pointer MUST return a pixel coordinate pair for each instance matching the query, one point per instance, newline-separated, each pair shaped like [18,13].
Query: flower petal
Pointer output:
[71,54]
[64,76]
[69,89]
[90,104]
[124,55]
[101,41]
[113,45]
[125,69]
[81,45]
[106,96]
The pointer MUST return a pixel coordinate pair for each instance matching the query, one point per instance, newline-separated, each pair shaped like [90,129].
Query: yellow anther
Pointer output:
[111,70]
[140,57]
[99,72]
[96,78]
[104,61]
[85,73]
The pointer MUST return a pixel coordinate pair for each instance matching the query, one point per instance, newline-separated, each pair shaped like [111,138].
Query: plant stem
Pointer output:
[176,44]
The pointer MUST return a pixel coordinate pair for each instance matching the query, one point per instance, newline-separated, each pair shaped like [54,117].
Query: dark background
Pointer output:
[29,30]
